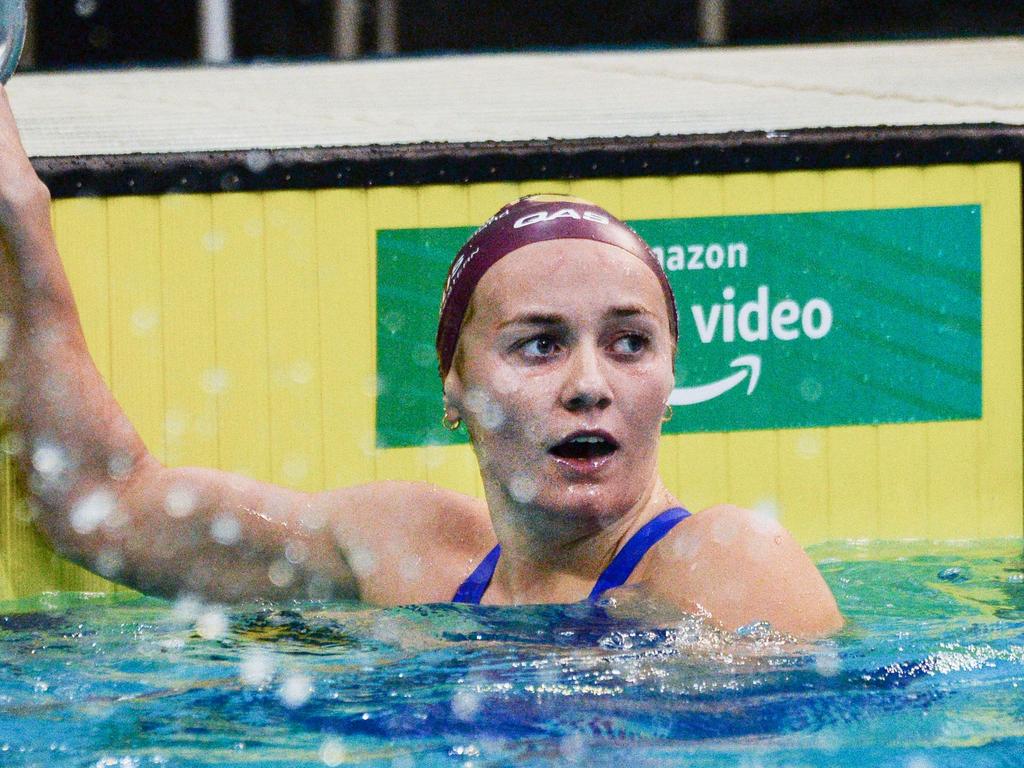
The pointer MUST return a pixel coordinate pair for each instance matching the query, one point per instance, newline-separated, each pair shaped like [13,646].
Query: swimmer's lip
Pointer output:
[589,461]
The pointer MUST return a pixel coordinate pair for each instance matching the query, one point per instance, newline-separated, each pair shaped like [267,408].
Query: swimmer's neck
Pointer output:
[551,556]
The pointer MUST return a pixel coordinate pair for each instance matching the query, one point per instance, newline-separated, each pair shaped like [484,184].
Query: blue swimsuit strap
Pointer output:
[615,575]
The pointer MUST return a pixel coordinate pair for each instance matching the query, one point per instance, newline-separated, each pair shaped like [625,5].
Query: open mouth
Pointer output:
[585,446]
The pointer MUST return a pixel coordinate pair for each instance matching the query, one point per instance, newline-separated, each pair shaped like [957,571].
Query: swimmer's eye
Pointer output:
[538,347]
[630,344]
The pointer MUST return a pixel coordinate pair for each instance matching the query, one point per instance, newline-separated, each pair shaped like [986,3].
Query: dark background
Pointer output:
[89,33]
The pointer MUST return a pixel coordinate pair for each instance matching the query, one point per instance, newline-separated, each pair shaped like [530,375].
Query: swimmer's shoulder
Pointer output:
[409,542]
[740,567]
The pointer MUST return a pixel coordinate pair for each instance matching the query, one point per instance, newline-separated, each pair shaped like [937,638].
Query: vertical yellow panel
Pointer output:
[852,451]
[450,467]
[752,456]
[348,327]
[188,330]
[239,380]
[902,448]
[803,453]
[485,200]
[80,227]
[137,359]
[393,208]
[1000,445]
[293,339]
[952,445]
[652,198]
[701,458]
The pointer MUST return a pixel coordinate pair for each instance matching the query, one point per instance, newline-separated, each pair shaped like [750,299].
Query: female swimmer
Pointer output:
[556,348]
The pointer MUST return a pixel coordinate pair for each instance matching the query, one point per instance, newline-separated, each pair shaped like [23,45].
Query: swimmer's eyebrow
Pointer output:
[534,318]
[630,311]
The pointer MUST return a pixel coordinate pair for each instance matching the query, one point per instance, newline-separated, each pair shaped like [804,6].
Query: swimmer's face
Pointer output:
[562,375]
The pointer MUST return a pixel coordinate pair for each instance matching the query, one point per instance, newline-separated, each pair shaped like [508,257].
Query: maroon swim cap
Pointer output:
[533,219]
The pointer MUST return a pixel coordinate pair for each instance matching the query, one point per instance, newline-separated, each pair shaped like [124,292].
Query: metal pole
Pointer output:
[215,44]
[348,23]
[713,21]
[387,26]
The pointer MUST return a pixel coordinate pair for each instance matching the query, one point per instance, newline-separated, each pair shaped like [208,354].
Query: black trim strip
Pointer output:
[434,163]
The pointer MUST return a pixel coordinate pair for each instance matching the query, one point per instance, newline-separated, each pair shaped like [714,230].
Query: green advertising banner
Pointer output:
[786,320]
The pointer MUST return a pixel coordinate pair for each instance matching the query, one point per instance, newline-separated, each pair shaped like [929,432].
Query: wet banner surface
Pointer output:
[786,320]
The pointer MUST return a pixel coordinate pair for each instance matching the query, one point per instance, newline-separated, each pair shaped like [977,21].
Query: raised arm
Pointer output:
[105,502]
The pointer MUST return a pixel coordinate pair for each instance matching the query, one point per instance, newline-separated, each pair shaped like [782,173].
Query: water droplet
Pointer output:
[257,160]
[119,466]
[225,529]
[109,563]
[296,552]
[256,668]
[295,469]
[332,751]
[281,573]
[89,512]
[488,412]
[214,241]
[295,690]
[215,381]
[301,372]
[6,328]
[86,8]
[180,501]
[187,608]
[175,423]
[362,561]
[523,487]
[211,623]
[811,390]
[572,748]
[808,446]
[145,320]
[828,663]
[465,704]
[49,460]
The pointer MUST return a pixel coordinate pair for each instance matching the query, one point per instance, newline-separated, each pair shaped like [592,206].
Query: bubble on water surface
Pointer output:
[211,624]
[295,690]
[225,529]
[256,668]
[89,512]
[180,501]
[332,751]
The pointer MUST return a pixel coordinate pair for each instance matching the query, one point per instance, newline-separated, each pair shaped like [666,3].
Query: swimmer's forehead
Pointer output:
[552,280]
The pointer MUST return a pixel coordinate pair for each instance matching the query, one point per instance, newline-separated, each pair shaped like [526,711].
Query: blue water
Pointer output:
[929,672]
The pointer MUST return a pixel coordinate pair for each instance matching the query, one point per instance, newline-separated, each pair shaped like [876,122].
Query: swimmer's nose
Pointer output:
[586,385]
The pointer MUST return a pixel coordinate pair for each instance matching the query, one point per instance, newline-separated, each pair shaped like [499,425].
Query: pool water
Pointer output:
[928,672]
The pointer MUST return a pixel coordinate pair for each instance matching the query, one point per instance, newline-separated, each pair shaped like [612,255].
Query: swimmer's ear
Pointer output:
[453,396]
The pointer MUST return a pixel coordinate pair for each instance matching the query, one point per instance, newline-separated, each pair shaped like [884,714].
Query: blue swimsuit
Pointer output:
[615,575]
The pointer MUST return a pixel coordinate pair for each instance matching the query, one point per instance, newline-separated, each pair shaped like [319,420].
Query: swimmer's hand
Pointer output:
[740,568]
